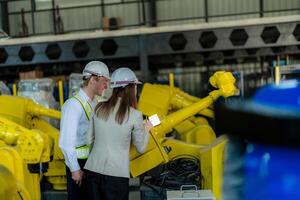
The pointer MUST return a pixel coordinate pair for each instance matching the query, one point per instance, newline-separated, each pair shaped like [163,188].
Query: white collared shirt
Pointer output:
[73,127]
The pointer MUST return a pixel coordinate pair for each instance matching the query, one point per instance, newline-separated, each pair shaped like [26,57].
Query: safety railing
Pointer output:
[28,17]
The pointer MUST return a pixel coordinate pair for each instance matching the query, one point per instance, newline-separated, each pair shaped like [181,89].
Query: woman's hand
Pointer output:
[147,125]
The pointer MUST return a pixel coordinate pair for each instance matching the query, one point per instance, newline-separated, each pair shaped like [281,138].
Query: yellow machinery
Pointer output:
[162,149]
[28,144]
[163,100]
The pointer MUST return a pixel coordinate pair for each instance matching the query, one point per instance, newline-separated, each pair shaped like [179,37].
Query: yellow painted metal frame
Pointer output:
[61,93]
[15,179]
[212,158]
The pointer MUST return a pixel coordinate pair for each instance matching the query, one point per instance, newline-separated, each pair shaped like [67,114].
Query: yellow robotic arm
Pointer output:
[29,143]
[28,114]
[161,150]
[159,99]
[156,152]
[32,140]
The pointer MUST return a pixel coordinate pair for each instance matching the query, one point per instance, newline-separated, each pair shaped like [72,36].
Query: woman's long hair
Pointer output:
[127,99]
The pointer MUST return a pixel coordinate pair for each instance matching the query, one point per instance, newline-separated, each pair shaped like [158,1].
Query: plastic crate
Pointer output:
[190,192]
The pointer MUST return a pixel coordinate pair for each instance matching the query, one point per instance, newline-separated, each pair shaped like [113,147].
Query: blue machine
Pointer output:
[264,151]
[271,173]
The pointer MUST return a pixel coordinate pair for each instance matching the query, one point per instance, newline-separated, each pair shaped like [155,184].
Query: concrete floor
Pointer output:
[56,195]
[134,193]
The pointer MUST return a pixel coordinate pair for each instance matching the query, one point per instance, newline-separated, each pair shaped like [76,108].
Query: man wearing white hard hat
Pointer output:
[75,119]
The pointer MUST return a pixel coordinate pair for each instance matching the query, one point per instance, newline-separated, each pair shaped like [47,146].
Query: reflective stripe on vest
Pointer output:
[83,152]
[85,106]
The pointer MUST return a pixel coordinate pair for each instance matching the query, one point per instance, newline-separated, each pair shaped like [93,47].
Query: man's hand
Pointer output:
[77,176]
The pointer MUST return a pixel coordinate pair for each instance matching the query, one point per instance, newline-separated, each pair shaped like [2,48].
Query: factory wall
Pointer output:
[131,14]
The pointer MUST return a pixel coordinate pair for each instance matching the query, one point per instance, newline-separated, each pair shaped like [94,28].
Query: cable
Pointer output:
[159,193]
[20,195]
[181,170]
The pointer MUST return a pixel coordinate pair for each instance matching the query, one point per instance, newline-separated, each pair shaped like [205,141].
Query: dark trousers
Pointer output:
[76,192]
[103,187]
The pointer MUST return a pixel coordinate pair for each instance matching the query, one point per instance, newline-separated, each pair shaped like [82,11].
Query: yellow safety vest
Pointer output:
[86,106]
[83,151]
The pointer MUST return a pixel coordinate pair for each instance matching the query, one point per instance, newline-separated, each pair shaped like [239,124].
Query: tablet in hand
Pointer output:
[154,119]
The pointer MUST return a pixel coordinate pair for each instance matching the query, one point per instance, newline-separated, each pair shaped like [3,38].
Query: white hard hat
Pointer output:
[96,68]
[122,77]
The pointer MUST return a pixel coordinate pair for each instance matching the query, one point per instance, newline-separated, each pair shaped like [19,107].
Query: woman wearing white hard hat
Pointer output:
[75,118]
[116,123]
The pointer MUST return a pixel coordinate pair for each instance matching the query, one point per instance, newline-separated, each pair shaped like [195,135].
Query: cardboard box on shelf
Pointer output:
[105,23]
[31,74]
[111,23]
